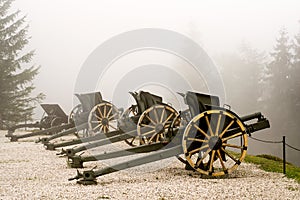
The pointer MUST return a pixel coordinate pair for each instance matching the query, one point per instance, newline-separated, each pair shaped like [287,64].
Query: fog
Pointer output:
[64,33]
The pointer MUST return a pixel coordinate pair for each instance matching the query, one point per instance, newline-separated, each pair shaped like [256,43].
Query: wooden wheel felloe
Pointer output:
[215,142]
[103,118]
[154,123]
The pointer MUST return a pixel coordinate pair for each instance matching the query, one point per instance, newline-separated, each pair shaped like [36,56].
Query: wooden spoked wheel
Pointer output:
[103,118]
[215,142]
[76,111]
[154,123]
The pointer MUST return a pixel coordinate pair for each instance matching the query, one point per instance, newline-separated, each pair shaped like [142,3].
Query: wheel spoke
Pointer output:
[209,126]
[158,137]
[95,122]
[156,115]
[221,160]
[167,126]
[106,128]
[99,110]
[201,131]
[149,132]
[212,160]
[218,124]
[232,145]
[199,149]
[104,112]
[97,116]
[112,117]
[96,127]
[229,155]
[162,115]
[147,125]
[203,157]
[232,136]
[153,137]
[101,129]
[168,118]
[110,110]
[197,140]
[224,131]
[150,119]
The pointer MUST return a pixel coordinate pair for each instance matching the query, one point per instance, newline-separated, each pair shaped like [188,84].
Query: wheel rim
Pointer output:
[103,118]
[210,142]
[77,110]
[154,124]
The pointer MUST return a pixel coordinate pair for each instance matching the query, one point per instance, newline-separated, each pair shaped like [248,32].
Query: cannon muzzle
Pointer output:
[260,125]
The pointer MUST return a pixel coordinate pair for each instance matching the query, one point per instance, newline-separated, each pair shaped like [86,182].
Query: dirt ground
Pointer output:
[28,171]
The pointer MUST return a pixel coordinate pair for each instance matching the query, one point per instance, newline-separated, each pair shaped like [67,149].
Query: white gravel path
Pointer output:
[28,171]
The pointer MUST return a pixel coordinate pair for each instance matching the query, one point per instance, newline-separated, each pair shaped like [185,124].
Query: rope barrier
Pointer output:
[292,147]
[283,148]
[266,141]
[274,142]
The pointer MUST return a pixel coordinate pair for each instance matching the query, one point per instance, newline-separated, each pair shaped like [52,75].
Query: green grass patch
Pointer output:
[274,164]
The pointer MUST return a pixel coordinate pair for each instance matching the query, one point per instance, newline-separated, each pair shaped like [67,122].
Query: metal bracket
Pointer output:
[226,106]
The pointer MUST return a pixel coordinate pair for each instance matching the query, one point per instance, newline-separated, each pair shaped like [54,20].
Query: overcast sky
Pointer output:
[65,32]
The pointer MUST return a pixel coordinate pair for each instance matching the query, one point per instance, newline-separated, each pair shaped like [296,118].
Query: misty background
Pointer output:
[238,35]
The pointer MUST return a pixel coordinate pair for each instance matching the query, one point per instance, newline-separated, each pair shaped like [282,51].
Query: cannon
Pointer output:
[135,121]
[214,141]
[91,115]
[53,116]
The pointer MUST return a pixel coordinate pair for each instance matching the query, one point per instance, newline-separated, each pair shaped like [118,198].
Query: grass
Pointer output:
[274,164]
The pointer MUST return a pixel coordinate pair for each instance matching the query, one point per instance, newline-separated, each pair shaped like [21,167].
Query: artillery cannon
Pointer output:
[87,117]
[53,116]
[209,141]
[133,123]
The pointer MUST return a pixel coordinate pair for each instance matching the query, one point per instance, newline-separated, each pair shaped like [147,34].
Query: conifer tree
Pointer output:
[279,83]
[16,74]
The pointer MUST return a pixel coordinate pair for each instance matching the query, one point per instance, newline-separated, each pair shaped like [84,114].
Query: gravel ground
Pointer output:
[28,171]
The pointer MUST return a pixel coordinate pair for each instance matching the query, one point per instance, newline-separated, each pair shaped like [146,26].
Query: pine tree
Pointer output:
[16,77]
[295,81]
[279,80]
[241,74]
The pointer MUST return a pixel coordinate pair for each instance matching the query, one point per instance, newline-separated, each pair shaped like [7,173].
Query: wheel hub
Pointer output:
[215,143]
[159,128]
[104,121]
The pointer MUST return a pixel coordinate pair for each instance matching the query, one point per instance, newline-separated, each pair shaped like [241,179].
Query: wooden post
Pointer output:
[284,159]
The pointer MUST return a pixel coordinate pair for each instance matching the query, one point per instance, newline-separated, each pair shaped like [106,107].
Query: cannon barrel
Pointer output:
[98,136]
[260,125]
[257,115]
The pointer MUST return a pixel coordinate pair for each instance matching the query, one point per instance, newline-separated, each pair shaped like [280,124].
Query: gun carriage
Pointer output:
[135,121]
[86,119]
[214,141]
[53,116]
